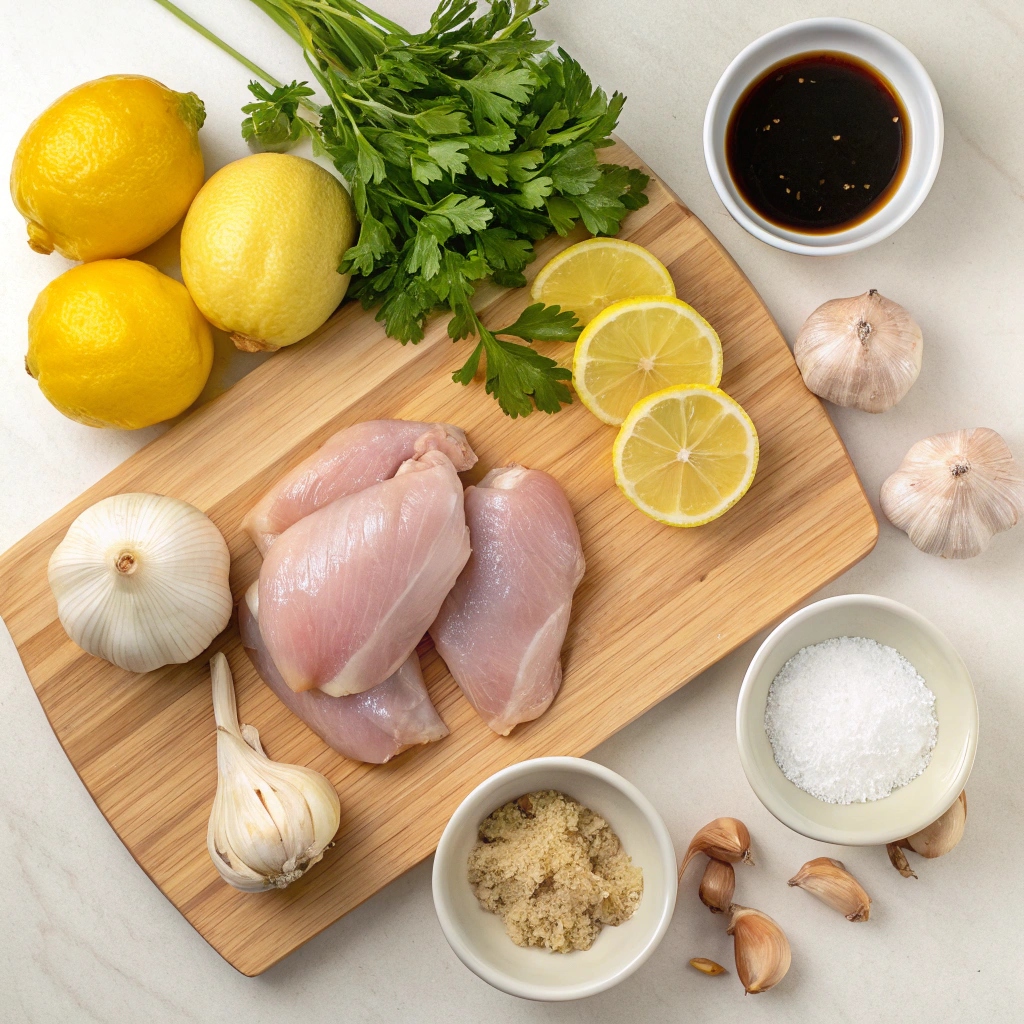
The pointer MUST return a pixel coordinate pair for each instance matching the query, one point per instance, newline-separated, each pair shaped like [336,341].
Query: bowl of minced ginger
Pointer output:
[554,879]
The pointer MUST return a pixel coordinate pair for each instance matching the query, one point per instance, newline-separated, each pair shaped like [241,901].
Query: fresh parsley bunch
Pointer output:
[463,145]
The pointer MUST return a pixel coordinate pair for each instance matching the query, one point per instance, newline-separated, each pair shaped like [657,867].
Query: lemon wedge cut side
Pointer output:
[685,455]
[639,346]
[593,274]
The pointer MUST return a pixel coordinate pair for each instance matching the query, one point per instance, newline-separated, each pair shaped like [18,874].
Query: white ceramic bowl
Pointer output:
[897,65]
[906,810]
[478,937]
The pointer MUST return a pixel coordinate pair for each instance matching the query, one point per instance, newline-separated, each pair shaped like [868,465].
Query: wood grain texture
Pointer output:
[657,606]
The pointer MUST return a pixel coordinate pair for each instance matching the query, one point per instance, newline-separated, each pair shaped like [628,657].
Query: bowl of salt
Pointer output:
[857,721]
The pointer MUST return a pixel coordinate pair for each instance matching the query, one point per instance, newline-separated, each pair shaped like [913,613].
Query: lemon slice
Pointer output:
[685,455]
[593,274]
[639,346]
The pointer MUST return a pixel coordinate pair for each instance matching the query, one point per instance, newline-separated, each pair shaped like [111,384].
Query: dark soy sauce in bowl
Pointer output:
[818,142]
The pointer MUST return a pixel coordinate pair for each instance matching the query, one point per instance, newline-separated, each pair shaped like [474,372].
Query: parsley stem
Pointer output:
[228,49]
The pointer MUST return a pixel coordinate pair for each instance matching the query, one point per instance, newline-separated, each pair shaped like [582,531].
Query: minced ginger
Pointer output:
[554,871]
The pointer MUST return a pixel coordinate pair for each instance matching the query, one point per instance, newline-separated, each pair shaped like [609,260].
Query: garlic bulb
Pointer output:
[142,581]
[270,822]
[761,948]
[863,352]
[953,492]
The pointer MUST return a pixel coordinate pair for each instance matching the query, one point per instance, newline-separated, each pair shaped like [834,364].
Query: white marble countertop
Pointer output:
[85,936]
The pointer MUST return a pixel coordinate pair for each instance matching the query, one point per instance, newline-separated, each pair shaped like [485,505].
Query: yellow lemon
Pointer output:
[116,343]
[261,245]
[108,168]
[591,275]
[685,455]
[639,346]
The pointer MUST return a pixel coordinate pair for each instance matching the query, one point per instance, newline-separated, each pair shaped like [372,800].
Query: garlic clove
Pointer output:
[953,492]
[829,880]
[762,950]
[142,581]
[270,822]
[706,966]
[898,859]
[718,886]
[725,839]
[938,838]
[863,352]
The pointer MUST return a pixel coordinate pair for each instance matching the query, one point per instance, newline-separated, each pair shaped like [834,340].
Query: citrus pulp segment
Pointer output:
[639,346]
[591,275]
[685,455]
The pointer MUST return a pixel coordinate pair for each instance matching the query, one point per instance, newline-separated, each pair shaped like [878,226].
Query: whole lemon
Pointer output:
[108,168]
[261,245]
[116,343]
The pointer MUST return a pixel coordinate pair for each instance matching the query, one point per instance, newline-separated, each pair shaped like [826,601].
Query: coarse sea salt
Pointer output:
[850,720]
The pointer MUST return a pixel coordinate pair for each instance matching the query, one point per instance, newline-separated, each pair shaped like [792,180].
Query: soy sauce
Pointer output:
[818,143]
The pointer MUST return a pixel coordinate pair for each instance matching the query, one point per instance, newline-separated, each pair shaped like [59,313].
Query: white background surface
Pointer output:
[84,935]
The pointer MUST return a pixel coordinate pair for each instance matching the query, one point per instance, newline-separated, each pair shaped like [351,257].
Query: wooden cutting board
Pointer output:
[657,606]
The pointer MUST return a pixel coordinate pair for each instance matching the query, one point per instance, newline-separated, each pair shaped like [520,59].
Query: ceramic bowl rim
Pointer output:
[476,806]
[919,186]
[768,795]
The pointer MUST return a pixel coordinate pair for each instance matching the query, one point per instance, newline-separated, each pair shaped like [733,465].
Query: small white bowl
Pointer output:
[906,810]
[897,65]
[478,937]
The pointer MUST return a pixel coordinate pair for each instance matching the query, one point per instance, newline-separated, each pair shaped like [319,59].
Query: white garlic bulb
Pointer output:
[142,581]
[270,822]
[954,491]
[863,352]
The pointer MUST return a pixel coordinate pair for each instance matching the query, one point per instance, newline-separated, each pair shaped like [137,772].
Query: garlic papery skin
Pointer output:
[270,822]
[724,839]
[142,581]
[938,838]
[706,966]
[761,948]
[863,352]
[898,859]
[829,880]
[953,492]
[718,886]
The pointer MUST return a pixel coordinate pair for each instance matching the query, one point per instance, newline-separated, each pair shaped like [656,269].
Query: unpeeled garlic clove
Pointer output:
[829,880]
[718,886]
[270,822]
[762,950]
[953,492]
[863,352]
[725,839]
[938,838]
[706,966]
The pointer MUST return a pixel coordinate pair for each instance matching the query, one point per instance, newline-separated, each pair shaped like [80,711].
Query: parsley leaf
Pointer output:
[462,145]
[273,124]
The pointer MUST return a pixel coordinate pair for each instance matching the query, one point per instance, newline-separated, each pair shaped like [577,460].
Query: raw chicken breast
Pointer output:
[347,592]
[372,726]
[500,630]
[350,461]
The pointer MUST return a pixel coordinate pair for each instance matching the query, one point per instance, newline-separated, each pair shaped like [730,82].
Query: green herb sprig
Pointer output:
[462,145]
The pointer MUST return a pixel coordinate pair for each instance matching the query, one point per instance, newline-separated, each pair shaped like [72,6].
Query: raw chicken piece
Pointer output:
[350,461]
[347,592]
[500,630]
[372,726]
